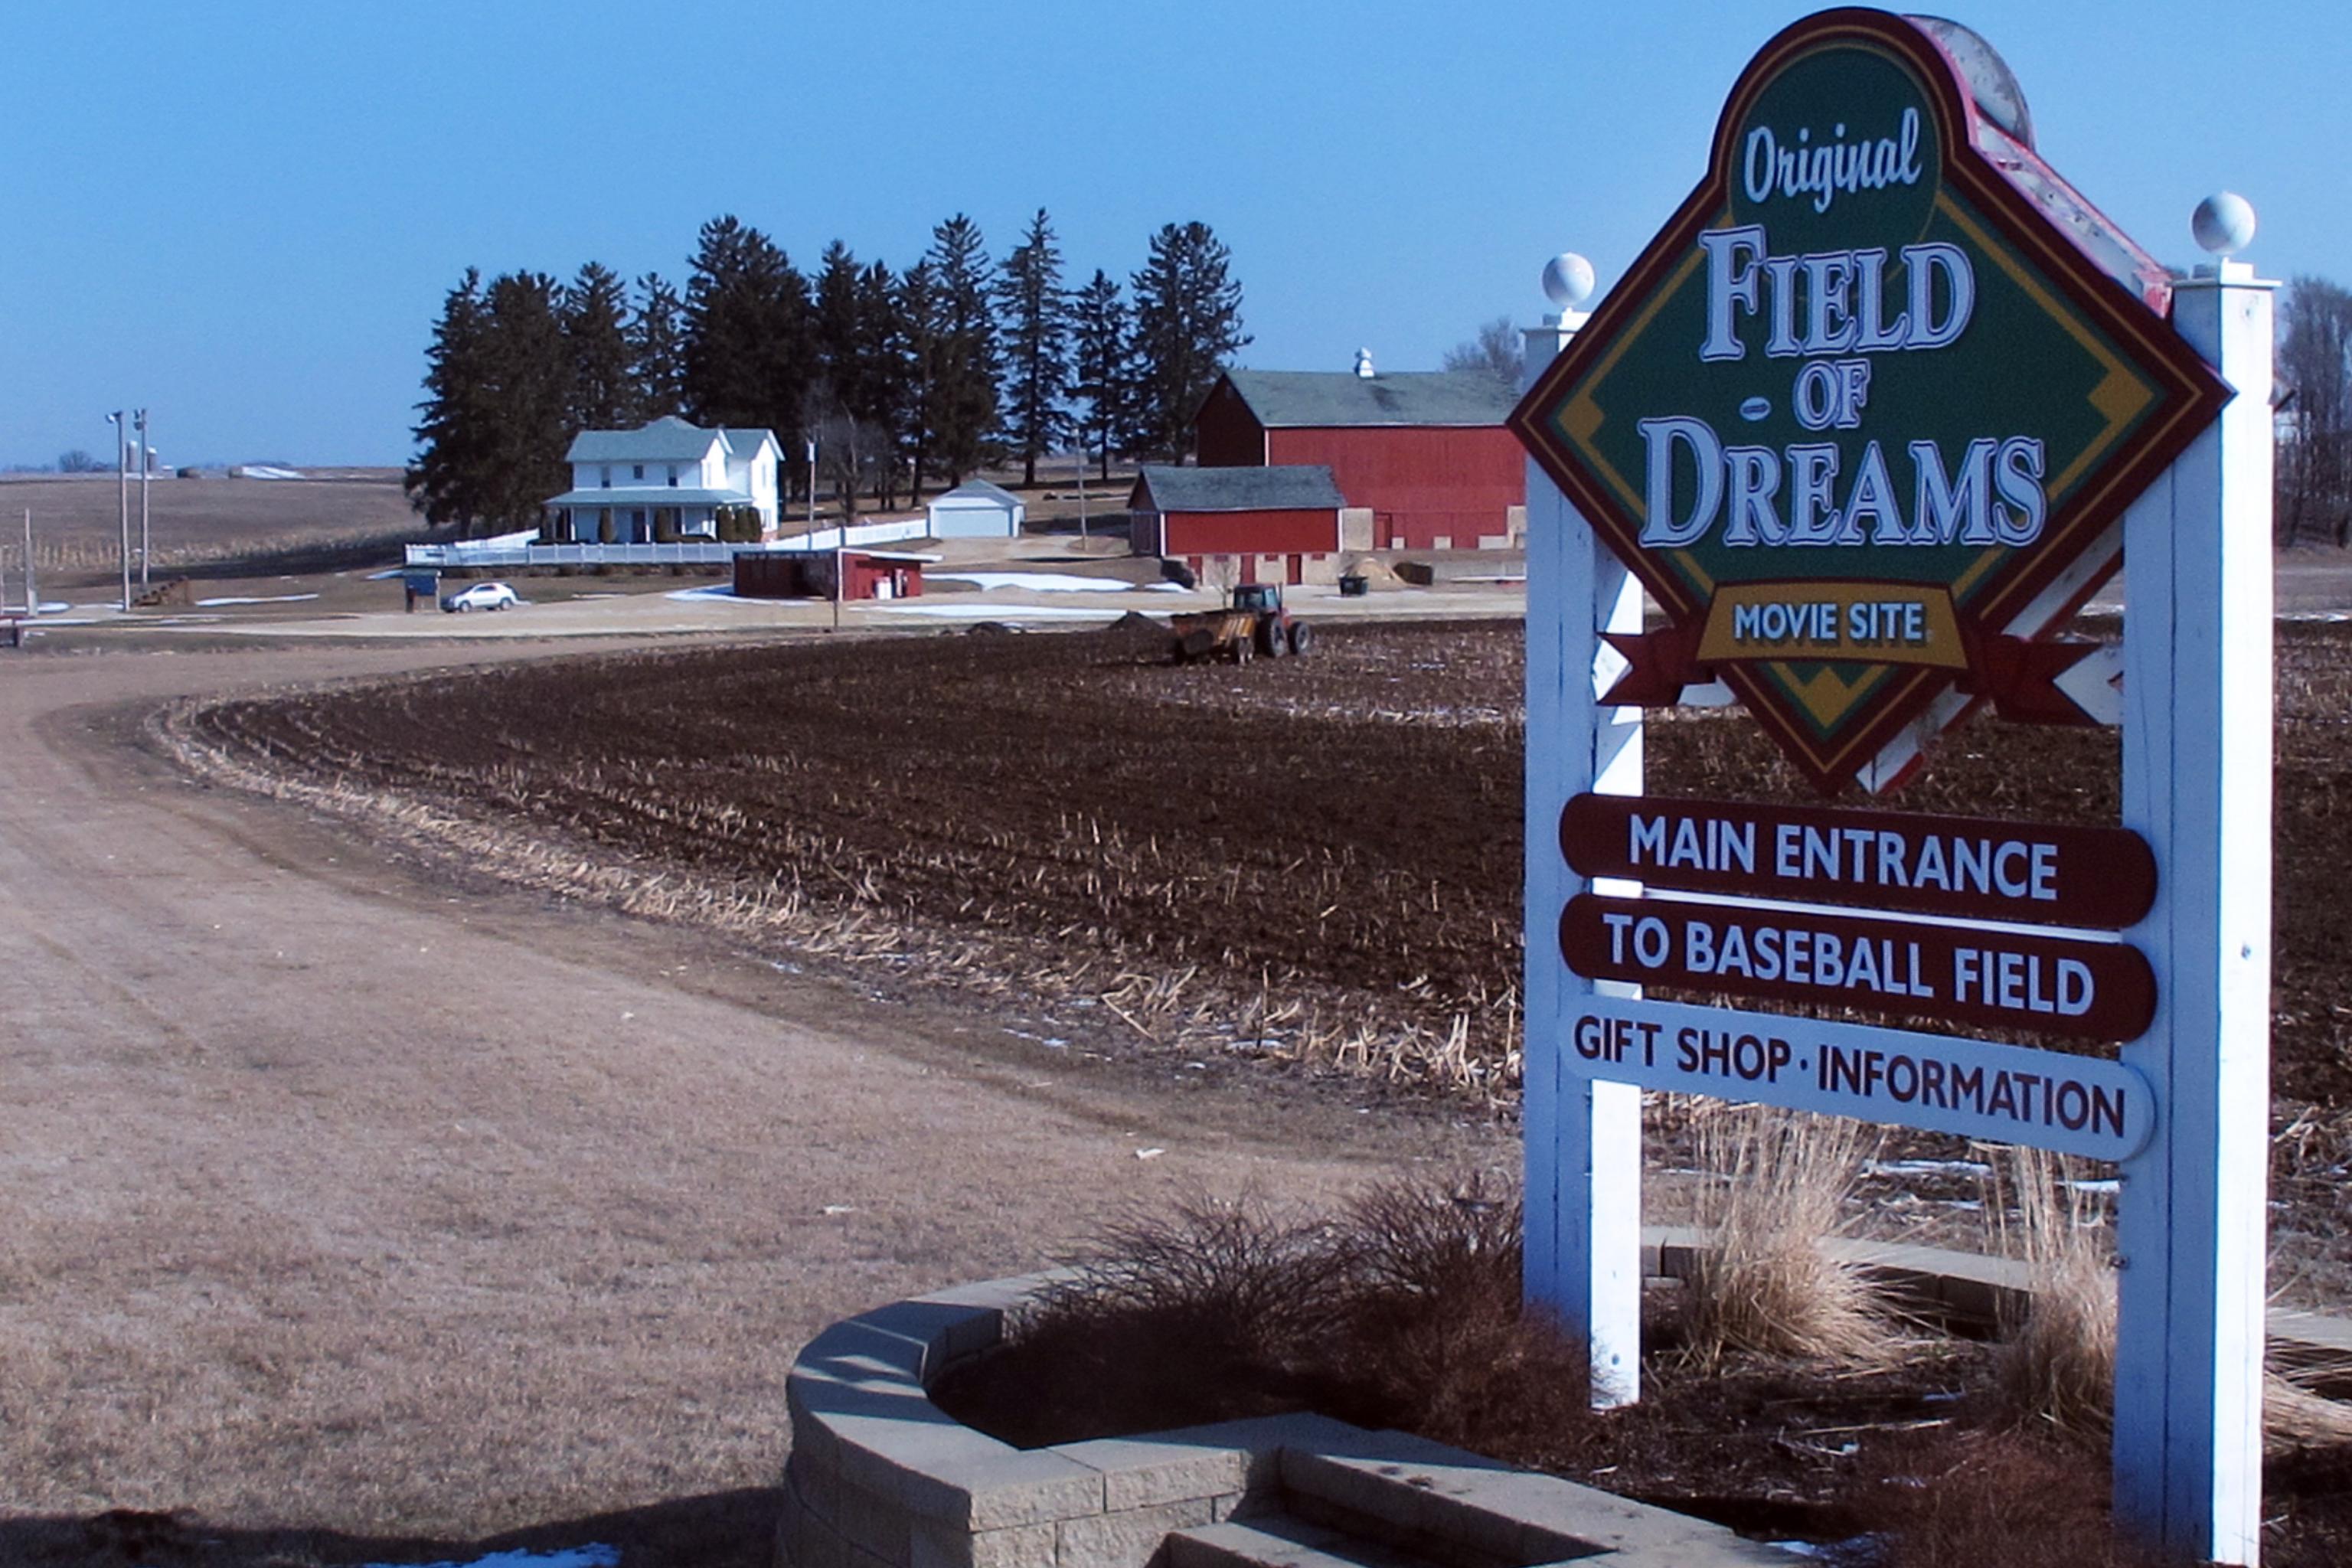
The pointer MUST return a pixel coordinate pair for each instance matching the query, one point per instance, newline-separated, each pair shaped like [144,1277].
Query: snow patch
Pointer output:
[265,599]
[724,593]
[597,1556]
[995,612]
[1034,581]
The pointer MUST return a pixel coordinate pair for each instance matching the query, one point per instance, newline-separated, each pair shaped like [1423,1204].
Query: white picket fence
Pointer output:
[508,551]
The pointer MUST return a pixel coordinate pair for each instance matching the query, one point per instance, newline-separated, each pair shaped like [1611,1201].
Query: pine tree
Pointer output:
[1036,316]
[658,348]
[961,401]
[1102,365]
[833,323]
[747,324]
[526,394]
[917,369]
[1188,323]
[881,356]
[594,312]
[443,483]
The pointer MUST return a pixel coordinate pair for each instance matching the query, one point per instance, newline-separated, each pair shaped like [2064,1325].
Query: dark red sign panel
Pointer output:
[2102,878]
[1962,974]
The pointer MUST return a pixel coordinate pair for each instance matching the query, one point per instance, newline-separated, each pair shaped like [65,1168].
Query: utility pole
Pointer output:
[32,596]
[1082,489]
[123,495]
[840,535]
[146,466]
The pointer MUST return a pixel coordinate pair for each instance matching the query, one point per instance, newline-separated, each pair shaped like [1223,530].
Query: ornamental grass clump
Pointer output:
[1401,1310]
[2057,1364]
[1763,1284]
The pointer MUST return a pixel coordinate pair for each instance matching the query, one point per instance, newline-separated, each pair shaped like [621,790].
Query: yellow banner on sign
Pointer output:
[1858,622]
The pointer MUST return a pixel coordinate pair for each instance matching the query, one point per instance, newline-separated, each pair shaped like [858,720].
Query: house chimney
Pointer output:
[1364,364]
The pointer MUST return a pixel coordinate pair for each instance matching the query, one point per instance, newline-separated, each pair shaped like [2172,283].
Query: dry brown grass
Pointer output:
[2057,1365]
[1764,1286]
[2000,1500]
[1401,1310]
[2058,1350]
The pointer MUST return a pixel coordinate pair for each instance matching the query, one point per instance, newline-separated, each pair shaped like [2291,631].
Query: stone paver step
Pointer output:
[1277,1541]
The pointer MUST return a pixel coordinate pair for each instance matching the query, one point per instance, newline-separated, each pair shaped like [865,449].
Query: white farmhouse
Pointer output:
[665,479]
[977,510]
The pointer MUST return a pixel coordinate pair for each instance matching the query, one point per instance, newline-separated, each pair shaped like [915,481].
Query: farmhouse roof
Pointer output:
[1318,398]
[745,442]
[981,489]
[649,495]
[668,439]
[1302,487]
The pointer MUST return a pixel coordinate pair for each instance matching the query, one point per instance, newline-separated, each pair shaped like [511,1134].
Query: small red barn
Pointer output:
[1423,457]
[1239,525]
[808,574]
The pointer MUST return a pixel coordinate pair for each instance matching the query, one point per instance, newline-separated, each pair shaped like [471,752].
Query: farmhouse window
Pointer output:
[606,481]
[637,470]
[673,476]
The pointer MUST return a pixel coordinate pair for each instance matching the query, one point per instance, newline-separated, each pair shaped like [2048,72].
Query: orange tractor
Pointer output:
[1256,624]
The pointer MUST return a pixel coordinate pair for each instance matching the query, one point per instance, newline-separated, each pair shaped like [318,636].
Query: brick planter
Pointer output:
[880,1478]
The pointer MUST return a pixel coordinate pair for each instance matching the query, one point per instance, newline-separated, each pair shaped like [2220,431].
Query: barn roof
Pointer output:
[1294,488]
[1315,398]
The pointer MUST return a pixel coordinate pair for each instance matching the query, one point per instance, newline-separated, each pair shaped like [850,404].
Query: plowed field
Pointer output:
[1342,832]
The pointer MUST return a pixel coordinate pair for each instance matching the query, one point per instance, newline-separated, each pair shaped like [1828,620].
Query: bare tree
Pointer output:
[1495,352]
[2315,469]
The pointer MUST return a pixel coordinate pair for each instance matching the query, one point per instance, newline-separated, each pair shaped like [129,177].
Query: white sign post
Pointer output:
[1583,1134]
[2192,1217]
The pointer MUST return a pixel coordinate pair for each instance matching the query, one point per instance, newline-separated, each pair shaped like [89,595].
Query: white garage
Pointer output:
[977,510]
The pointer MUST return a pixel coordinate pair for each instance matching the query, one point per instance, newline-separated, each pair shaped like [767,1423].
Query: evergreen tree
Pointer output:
[1036,316]
[880,353]
[658,348]
[833,322]
[917,370]
[1188,323]
[962,395]
[443,483]
[526,392]
[1103,366]
[594,318]
[747,355]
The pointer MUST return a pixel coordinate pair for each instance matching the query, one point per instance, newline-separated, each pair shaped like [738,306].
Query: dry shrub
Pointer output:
[2057,1361]
[1999,1498]
[1764,1286]
[1401,1312]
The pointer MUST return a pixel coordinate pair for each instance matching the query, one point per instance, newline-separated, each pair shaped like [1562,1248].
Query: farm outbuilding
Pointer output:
[977,510]
[1423,457]
[1239,525]
[808,574]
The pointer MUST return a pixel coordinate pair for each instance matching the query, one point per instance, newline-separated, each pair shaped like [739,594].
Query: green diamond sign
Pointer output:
[1864,416]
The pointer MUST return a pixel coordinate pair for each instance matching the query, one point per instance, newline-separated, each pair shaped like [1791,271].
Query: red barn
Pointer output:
[1239,525]
[1422,458]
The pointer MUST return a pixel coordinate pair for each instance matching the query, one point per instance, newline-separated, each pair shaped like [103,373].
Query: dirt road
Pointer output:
[362,1213]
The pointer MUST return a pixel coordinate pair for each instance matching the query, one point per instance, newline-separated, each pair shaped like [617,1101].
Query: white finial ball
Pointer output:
[1568,280]
[2224,224]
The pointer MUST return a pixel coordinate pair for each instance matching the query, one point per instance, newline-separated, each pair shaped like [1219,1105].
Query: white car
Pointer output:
[480,597]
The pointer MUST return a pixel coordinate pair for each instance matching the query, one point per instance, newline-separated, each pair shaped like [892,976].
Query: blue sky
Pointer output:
[245,215]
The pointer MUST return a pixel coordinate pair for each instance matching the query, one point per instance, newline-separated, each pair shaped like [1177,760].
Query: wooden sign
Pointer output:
[2007,1094]
[1801,419]
[2100,879]
[1984,975]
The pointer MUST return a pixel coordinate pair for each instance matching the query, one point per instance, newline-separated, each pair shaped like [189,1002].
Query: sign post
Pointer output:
[2192,1217]
[1875,414]
[1582,1133]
